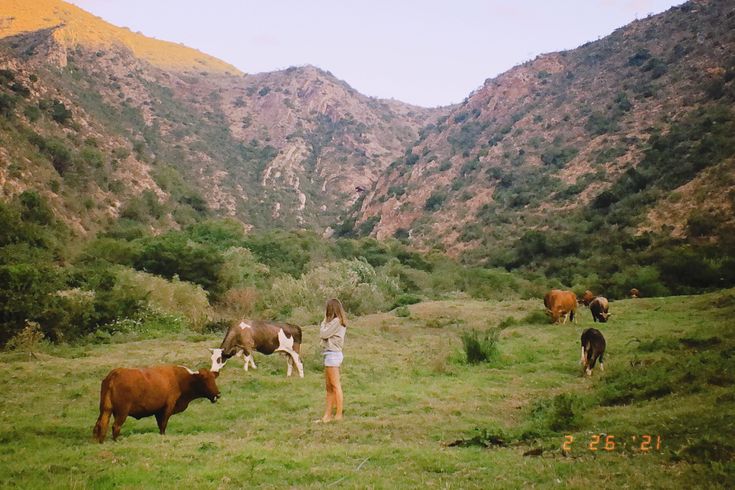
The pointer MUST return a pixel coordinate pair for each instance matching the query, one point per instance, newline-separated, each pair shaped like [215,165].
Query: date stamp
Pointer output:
[643,443]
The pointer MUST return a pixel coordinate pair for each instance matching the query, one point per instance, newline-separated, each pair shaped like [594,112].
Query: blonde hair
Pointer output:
[335,310]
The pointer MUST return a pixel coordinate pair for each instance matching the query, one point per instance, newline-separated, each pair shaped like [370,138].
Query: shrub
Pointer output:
[558,414]
[7,105]
[27,339]
[435,201]
[239,303]
[173,255]
[402,312]
[175,297]
[406,299]
[361,289]
[480,347]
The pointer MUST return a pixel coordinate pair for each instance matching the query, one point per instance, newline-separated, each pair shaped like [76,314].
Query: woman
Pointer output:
[332,333]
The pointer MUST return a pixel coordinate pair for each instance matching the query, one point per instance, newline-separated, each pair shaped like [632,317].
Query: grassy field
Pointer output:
[409,395]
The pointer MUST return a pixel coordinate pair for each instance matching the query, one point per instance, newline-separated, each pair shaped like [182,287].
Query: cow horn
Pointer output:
[211,350]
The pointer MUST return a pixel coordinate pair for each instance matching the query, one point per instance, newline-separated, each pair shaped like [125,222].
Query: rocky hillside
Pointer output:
[635,128]
[106,123]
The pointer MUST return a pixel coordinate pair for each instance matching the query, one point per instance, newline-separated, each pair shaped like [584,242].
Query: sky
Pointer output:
[424,52]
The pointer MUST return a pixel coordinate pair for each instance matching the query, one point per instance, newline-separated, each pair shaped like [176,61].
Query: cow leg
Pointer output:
[290,361]
[162,420]
[120,417]
[100,428]
[250,361]
[293,357]
[287,345]
[581,359]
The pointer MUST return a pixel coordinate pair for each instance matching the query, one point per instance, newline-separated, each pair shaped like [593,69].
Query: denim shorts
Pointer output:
[333,358]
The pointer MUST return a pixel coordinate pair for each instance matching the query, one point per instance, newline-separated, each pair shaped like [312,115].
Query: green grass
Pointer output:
[409,394]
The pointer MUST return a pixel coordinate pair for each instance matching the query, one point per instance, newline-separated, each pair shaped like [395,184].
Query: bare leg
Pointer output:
[338,396]
[330,396]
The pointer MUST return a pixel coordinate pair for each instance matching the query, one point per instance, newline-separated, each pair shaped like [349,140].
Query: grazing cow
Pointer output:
[160,390]
[265,337]
[599,307]
[586,298]
[560,304]
[634,293]
[593,348]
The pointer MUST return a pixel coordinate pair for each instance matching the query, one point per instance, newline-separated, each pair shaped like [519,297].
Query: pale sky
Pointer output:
[425,52]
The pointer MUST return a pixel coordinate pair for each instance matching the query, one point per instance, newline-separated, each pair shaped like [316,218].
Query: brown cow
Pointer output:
[634,293]
[560,304]
[599,308]
[248,336]
[160,390]
[587,298]
[593,348]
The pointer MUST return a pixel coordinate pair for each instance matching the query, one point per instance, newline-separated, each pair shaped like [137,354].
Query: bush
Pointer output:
[435,201]
[402,312]
[173,255]
[173,298]
[406,299]
[480,347]
[7,105]
[361,289]
[558,414]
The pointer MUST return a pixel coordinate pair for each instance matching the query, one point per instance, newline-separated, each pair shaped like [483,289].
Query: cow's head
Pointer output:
[218,360]
[604,316]
[207,384]
[586,298]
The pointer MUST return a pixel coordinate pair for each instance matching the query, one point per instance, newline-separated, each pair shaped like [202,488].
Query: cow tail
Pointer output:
[100,428]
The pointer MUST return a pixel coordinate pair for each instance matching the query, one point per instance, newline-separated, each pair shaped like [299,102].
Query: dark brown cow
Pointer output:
[560,304]
[634,293]
[587,298]
[593,348]
[599,308]
[160,390]
[266,337]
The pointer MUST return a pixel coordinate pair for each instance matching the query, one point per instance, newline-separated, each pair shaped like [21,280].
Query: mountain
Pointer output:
[106,123]
[628,136]
[616,157]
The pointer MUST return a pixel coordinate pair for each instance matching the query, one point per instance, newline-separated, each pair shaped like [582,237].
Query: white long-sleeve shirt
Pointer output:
[332,335]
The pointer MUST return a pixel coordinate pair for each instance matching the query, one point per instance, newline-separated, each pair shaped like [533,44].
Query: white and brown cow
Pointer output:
[247,336]
[599,308]
[593,349]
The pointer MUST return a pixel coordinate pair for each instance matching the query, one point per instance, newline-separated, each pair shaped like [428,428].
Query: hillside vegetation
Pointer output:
[286,149]
[615,157]
[417,414]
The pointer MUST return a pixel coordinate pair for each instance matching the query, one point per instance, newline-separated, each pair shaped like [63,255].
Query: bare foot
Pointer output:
[337,418]
[323,420]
